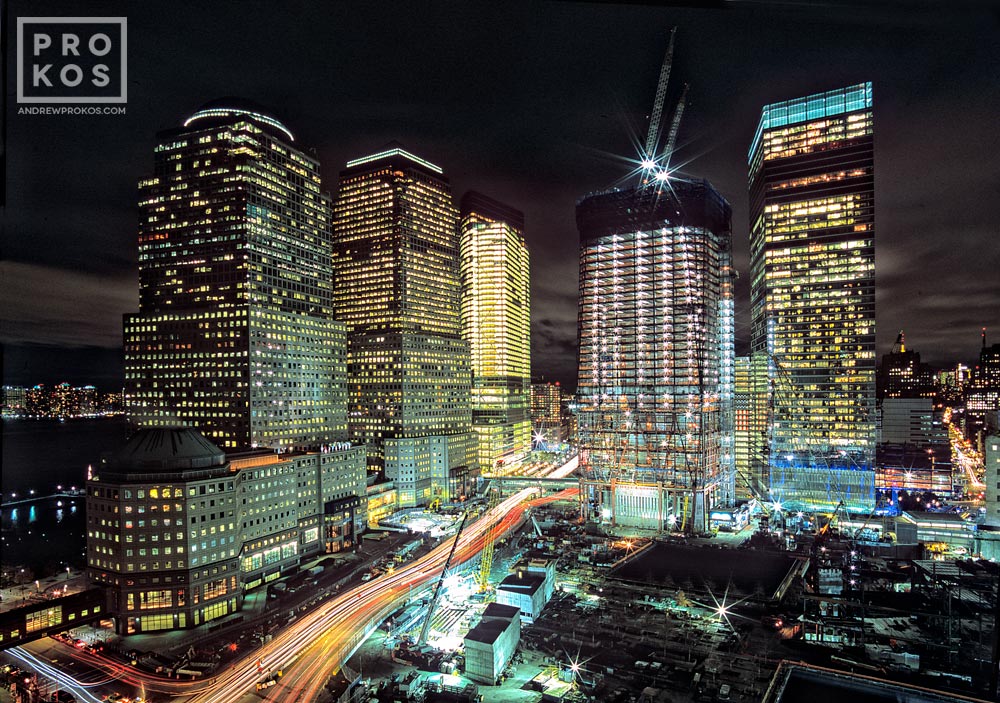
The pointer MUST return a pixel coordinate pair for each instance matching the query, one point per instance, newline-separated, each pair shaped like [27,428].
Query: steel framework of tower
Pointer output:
[656,365]
[656,354]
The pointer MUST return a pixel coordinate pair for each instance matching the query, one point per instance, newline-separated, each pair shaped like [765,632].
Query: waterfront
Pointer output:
[42,456]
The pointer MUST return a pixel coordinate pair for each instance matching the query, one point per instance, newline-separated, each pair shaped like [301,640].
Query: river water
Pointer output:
[41,456]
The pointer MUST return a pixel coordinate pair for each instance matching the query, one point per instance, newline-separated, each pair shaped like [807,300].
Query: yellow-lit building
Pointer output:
[396,273]
[496,322]
[812,245]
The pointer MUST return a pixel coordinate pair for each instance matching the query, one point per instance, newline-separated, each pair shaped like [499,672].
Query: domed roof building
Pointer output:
[178,531]
[161,531]
[166,449]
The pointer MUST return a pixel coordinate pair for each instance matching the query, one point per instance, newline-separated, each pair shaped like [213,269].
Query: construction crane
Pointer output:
[486,562]
[675,125]
[826,528]
[425,630]
[655,162]
[649,155]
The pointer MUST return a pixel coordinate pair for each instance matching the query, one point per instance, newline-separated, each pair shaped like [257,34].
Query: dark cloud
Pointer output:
[56,307]
[535,104]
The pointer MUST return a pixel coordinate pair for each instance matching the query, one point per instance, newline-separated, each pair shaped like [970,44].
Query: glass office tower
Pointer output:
[812,247]
[496,321]
[655,383]
[235,332]
[396,273]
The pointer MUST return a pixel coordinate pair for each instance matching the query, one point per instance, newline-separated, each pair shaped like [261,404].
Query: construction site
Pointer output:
[565,610]
[587,628]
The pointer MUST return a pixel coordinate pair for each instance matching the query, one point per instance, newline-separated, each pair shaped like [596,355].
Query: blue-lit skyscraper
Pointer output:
[812,247]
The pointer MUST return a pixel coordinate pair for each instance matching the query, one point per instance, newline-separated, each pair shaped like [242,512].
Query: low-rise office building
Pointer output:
[178,531]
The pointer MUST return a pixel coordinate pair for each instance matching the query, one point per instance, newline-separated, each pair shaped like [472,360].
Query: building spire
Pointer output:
[900,346]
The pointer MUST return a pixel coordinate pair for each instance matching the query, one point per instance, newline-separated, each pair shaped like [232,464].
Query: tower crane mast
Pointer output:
[489,542]
[675,125]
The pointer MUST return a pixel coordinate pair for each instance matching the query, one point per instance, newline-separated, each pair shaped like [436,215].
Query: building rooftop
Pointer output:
[166,449]
[499,610]
[487,632]
[225,109]
[392,153]
[686,204]
[526,583]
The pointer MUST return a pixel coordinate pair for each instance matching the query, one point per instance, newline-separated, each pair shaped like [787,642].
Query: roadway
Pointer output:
[317,643]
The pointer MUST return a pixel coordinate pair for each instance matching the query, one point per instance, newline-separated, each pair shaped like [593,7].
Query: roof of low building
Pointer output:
[166,449]
[487,632]
[499,610]
[524,582]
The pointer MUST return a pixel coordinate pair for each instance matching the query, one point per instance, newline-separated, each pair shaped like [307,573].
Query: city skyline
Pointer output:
[567,134]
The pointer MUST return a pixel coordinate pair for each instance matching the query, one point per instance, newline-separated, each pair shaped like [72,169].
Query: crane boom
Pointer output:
[425,630]
[675,126]
[489,542]
[661,92]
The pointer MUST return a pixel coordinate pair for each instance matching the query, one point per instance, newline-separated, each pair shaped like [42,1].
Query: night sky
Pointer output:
[535,104]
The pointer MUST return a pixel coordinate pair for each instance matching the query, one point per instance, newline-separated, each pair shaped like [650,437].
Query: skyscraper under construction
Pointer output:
[655,383]
[812,221]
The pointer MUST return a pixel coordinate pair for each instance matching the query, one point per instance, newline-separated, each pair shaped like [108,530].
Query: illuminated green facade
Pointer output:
[235,332]
[496,321]
[812,219]
[396,263]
